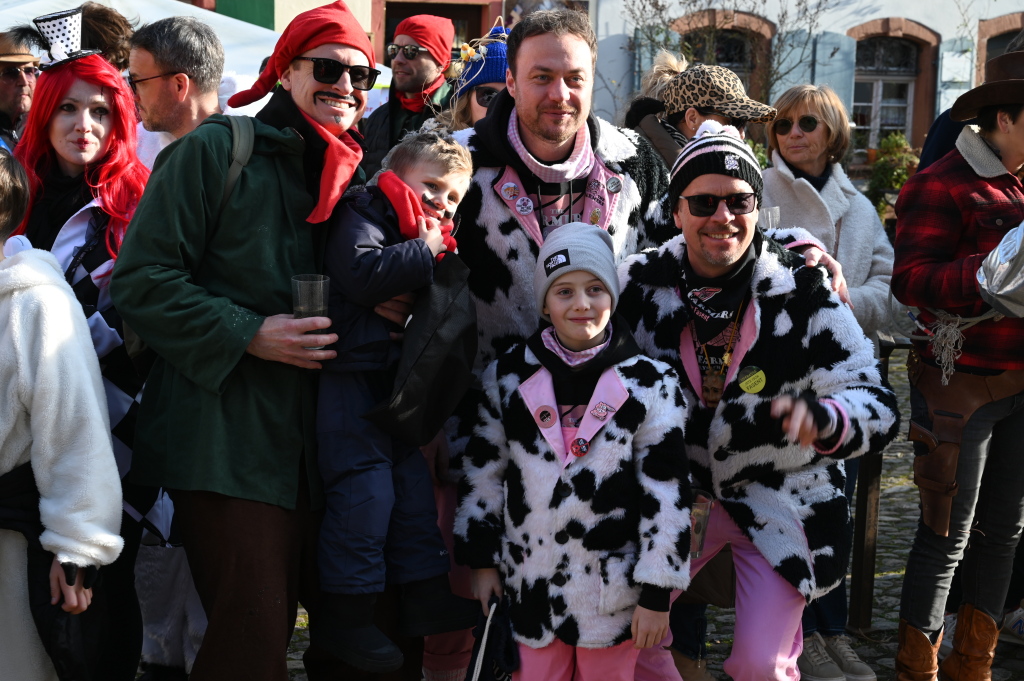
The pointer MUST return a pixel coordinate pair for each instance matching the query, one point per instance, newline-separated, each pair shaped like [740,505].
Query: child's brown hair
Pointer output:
[435,146]
[13,194]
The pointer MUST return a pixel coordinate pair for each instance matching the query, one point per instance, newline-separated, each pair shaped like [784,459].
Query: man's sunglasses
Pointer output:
[784,125]
[706,205]
[410,52]
[329,72]
[12,72]
[485,95]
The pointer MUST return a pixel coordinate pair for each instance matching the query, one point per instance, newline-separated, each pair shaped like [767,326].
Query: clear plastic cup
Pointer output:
[699,514]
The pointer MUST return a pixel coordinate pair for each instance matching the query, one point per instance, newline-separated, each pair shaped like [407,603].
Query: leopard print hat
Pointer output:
[713,87]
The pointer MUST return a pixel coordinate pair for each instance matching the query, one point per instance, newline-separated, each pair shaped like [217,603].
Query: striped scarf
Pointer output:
[576,166]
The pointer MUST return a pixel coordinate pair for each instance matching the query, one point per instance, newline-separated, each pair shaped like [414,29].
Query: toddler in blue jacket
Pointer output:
[380,523]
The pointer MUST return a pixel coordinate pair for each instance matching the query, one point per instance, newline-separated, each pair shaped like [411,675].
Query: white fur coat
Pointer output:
[55,417]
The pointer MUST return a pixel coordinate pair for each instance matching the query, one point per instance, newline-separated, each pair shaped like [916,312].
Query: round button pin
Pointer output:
[545,416]
[751,379]
[524,205]
[614,185]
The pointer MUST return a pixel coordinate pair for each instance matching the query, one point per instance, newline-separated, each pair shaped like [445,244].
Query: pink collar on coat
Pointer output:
[538,393]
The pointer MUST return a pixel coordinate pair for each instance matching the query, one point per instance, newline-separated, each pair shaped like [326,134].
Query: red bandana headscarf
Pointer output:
[333,23]
[437,35]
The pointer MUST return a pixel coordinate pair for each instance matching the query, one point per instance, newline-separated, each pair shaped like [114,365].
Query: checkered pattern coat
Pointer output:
[949,216]
[80,244]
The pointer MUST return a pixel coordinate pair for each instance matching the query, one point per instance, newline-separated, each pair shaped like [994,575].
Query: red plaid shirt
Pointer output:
[948,219]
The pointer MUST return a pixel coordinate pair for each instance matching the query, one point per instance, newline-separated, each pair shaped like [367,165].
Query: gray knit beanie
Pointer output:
[572,247]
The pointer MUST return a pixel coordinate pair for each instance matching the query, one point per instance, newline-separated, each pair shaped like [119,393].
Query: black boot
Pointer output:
[344,627]
[429,607]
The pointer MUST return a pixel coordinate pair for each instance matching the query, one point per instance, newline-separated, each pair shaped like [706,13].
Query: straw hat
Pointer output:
[1004,84]
[14,52]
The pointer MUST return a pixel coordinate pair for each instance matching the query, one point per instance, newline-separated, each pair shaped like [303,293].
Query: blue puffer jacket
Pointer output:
[369,262]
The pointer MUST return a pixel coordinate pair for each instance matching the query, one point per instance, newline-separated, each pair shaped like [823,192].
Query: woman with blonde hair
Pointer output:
[807,139]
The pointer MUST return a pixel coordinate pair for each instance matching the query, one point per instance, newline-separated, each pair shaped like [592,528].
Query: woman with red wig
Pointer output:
[85,180]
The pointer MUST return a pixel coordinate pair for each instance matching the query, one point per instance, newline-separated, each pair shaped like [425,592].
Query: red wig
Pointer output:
[118,178]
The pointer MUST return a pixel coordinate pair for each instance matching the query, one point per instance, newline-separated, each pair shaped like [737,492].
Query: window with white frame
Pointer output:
[883,92]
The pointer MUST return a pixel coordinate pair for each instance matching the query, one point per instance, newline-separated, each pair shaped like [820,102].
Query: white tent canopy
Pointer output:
[245,44]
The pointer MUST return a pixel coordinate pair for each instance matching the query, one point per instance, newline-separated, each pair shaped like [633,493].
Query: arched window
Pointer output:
[997,44]
[729,48]
[883,92]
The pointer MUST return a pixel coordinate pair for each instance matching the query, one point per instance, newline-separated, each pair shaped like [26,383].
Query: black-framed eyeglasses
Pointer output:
[134,82]
[807,123]
[329,72]
[485,95]
[706,205]
[12,72]
[410,52]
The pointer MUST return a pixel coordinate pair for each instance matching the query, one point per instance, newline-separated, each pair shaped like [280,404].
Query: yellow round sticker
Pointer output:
[752,379]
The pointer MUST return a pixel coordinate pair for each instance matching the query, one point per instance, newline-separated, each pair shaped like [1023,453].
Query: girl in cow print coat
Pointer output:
[586,520]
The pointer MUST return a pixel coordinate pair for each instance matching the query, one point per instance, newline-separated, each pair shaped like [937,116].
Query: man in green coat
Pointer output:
[227,418]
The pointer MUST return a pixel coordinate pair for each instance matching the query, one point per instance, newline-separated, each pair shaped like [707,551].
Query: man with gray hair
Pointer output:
[174,70]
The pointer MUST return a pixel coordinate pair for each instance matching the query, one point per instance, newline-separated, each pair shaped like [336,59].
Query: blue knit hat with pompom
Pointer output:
[488,64]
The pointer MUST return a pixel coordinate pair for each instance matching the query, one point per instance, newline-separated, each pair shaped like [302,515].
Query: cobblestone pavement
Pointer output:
[898,514]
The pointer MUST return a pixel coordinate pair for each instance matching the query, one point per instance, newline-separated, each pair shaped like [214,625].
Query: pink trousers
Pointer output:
[561,662]
[449,652]
[768,636]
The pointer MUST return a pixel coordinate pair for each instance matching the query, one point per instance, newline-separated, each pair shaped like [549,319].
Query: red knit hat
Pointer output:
[333,23]
[434,33]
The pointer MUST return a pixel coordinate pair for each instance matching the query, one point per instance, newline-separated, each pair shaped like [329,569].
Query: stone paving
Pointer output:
[897,519]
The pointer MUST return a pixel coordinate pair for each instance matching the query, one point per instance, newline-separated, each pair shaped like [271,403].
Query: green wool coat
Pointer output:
[195,285]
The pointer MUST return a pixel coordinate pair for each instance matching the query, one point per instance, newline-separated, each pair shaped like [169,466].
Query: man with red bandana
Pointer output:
[228,414]
[420,54]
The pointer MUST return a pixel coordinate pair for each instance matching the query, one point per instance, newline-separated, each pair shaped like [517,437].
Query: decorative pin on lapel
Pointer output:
[601,411]
[545,416]
[579,447]
[614,185]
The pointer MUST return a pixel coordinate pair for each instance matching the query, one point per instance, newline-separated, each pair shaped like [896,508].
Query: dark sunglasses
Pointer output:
[329,72]
[706,205]
[410,52]
[12,72]
[784,125]
[737,123]
[134,82]
[485,95]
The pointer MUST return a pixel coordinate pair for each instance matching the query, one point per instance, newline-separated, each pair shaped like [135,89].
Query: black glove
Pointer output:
[71,574]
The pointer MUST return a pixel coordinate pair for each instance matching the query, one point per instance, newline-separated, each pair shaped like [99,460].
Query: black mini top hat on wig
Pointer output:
[61,37]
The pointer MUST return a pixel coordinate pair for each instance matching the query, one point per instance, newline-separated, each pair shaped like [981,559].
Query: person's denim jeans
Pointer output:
[988,510]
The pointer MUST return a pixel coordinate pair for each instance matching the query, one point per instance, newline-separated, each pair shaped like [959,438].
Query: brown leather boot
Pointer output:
[916,657]
[974,647]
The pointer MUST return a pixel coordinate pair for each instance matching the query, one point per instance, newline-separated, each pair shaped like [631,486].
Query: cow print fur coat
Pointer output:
[787,498]
[574,544]
[502,256]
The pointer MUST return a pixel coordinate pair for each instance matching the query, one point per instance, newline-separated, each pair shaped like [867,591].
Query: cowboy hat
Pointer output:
[1004,84]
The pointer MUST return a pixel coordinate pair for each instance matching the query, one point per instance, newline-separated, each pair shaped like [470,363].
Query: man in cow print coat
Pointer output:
[784,384]
[543,160]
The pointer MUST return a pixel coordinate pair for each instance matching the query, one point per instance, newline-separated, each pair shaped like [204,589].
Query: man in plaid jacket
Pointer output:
[966,424]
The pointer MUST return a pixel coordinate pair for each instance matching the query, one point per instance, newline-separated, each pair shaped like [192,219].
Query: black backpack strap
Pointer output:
[243,139]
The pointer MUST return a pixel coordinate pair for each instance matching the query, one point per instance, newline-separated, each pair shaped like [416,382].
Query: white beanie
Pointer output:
[571,248]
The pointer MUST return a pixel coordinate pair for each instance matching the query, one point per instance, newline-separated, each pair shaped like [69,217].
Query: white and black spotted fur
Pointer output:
[788,499]
[574,545]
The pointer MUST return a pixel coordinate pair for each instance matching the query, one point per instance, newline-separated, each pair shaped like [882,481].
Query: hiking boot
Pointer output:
[1013,627]
[689,668]
[343,627]
[948,632]
[843,654]
[815,663]
[429,607]
[974,647]
[916,656]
